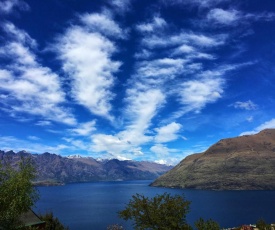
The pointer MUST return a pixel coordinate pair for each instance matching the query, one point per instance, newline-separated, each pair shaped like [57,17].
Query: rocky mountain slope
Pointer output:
[241,163]
[53,168]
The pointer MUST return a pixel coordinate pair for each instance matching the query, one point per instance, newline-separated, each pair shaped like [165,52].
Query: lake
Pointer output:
[94,206]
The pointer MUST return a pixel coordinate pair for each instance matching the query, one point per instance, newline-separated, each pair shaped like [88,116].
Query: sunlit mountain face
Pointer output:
[134,79]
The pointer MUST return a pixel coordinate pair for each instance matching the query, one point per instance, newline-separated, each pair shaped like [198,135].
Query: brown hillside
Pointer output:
[241,163]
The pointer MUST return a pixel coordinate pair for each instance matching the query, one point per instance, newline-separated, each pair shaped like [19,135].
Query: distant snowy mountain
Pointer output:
[74,156]
[74,168]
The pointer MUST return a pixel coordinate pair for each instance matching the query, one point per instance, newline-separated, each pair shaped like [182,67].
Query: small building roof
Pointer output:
[29,218]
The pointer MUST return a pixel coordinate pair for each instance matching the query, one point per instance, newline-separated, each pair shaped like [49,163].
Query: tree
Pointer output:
[201,224]
[52,223]
[162,212]
[115,227]
[17,194]
[262,225]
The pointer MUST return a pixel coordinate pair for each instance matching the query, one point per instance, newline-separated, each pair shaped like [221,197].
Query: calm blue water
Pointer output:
[94,206]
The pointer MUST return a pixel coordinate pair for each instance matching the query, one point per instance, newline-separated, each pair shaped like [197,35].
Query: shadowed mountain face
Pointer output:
[53,168]
[241,163]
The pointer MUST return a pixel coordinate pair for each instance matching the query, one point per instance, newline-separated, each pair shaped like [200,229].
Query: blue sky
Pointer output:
[134,79]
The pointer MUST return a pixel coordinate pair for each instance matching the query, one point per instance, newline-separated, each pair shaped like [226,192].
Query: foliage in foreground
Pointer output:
[115,227]
[52,223]
[201,224]
[262,225]
[17,194]
[162,212]
[166,212]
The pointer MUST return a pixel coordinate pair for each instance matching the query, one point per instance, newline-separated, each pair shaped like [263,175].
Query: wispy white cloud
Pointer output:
[203,40]
[205,56]
[184,138]
[182,62]
[86,56]
[174,68]
[266,125]
[143,54]
[195,94]
[184,38]
[142,107]
[184,49]
[167,133]
[77,144]
[250,119]
[115,147]
[82,45]
[157,24]
[8,6]
[172,161]
[264,16]
[21,36]
[34,138]
[151,84]
[191,53]
[15,144]
[199,3]
[155,36]
[206,87]
[103,24]
[166,155]
[121,6]
[233,17]
[224,17]
[20,52]
[160,150]
[29,87]
[159,70]
[247,105]
[110,144]
[43,123]
[84,129]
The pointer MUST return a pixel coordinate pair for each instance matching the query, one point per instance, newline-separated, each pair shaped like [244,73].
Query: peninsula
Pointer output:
[240,163]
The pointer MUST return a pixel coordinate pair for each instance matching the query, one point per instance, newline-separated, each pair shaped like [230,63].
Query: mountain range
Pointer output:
[241,163]
[52,168]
